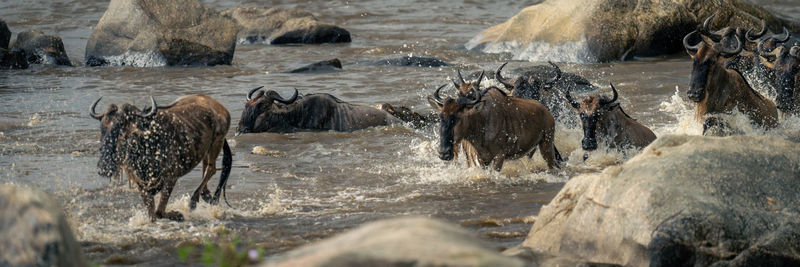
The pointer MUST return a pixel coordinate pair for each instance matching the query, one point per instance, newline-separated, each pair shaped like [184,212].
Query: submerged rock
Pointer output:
[5,34]
[34,231]
[283,26]
[148,33]
[684,201]
[41,48]
[411,241]
[604,30]
[321,66]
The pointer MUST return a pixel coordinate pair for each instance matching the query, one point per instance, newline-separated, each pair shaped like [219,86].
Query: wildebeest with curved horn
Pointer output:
[158,145]
[784,60]
[542,89]
[604,117]
[498,127]
[315,112]
[719,90]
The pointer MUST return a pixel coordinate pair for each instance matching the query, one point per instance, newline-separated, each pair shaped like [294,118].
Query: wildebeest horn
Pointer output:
[250,94]
[461,79]
[499,77]
[478,83]
[614,98]
[436,96]
[784,38]
[754,38]
[729,53]
[571,101]
[153,109]
[558,73]
[477,98]
[276,97]
[94,114]
[686,42]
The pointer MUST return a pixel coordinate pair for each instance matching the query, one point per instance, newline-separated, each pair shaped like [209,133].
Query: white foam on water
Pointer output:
[538,51]
[137,59]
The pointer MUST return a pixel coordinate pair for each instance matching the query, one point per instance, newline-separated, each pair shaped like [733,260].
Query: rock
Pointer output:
[412,241]
[604,30]
[684,200]
[34,230]
[322,66]
[409,61]
[13,59]
[5,34]
[283,26]
[41,48]
[149,33]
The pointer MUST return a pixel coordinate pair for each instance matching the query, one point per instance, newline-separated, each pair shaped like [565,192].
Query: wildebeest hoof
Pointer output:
[206,195]
[192,204]
[174,216]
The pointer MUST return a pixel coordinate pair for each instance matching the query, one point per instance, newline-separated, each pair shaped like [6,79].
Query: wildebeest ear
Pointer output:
[434,104]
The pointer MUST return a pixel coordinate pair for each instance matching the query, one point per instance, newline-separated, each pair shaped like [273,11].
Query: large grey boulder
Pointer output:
[410,241]
[5,34]
[684,201]
[147,33]
[604,30]
[41,48]
[283,26]
[34,231]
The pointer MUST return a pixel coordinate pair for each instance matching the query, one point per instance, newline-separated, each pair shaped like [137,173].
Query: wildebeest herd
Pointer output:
[157,145]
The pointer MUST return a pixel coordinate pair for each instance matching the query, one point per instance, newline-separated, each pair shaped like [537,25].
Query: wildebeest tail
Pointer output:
[558,155]
[227,162]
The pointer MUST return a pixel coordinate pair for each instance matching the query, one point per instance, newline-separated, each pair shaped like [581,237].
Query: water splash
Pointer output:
[137,59]
[537,51]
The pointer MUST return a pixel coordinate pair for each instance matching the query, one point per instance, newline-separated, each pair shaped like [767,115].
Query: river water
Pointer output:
[304,186]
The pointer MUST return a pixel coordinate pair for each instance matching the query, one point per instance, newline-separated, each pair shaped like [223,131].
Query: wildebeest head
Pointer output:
[465,88]
[112,123]
[258,108]
[785,61]
[528,87]
[451,114]
[707,56]
[591,109]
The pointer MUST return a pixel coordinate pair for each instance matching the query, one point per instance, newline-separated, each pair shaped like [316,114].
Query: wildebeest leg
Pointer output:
[205,194]
[716,127]
[533,151]
[209,171]
[497,163]
[148,204]
[162,204]
[549,152]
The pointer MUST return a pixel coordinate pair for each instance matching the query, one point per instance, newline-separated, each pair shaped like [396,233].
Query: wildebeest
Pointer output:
[719,90]
[315,112]
[158,145]
[497,126]
[406,114]
[605,118]
[784,60]
[529,87]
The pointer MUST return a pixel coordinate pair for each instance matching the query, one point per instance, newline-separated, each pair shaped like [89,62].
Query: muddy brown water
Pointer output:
[303,186]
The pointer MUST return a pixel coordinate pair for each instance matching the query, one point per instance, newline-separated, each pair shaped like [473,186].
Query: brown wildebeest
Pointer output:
[784,60]
[497,126]
[158,145]
[315,112]
[604,117]
[719,90]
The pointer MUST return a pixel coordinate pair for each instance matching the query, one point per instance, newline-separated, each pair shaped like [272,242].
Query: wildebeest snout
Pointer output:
[446,154]
[589,144]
